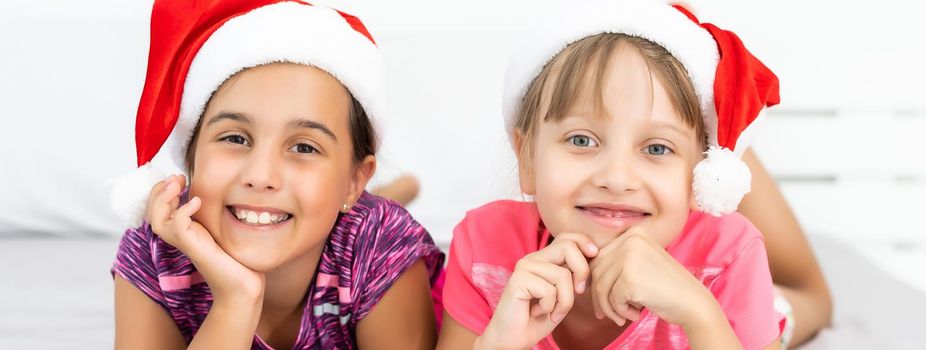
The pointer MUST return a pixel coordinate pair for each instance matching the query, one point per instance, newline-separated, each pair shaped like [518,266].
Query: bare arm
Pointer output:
[794,268]
[143,324]
[404,317]
[711,331]
[454,336]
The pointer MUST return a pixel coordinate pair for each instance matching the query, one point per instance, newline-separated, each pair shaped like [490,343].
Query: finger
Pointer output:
[182,217]
[582,241]
[567,253]
[155,190]
[173,187]
[536,311]
[577,264]
[604,283]
[595,275]
[160,209]
[629,311]
[605,305]
[175,200]
[557,251]
[531,287]
[598,314]
[180,181]
[190,208]
[622,304]
[613,245]
[173,190]
[547,302]
[560,278]
[526,286]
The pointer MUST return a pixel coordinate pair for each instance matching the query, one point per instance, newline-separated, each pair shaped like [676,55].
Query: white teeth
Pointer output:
[255,218]
[264,218]
[616,214]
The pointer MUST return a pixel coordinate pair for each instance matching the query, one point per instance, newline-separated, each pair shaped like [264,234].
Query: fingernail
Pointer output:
[558,317]
[172,186]
[598,315]
[592,248]
[580,288]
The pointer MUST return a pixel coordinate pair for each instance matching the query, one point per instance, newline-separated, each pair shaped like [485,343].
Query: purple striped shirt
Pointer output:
[366,251]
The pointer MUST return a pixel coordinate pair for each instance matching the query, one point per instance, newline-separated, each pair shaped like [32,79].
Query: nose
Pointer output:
[261,171]
[617,172]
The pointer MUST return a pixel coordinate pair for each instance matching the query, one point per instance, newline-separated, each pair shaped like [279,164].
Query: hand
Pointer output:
[228,280]
[633,271]
[540,293]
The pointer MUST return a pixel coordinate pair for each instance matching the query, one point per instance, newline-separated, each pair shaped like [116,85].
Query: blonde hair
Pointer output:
[562,77]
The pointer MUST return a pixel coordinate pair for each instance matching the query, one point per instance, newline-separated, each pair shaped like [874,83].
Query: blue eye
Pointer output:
[657,149]
[582,141]
[304,148]
[236,139]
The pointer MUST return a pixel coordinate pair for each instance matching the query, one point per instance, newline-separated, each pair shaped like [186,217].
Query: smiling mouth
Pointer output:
[614,213]
[258,218]
[618,218]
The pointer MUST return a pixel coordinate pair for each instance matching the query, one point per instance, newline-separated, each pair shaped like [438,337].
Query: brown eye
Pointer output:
[236,139]
[304,148]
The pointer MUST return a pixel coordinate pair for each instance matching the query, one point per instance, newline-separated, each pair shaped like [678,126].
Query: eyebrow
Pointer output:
[673,127]
[298,123]
[238,117]
[308,124]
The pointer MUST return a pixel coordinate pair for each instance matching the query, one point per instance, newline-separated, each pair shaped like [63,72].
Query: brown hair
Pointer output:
[363,136]
[560,80]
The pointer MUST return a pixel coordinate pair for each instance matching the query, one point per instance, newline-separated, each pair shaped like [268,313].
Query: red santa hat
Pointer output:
[197,45]
[733,87]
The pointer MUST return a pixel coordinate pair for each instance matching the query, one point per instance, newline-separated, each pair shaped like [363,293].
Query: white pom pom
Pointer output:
[129,196]
[720,181]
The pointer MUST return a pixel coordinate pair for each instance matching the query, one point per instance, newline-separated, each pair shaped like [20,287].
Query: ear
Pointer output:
[363,172]
[525,163]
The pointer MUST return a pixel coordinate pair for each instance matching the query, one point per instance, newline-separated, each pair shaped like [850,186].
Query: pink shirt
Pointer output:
[727,254]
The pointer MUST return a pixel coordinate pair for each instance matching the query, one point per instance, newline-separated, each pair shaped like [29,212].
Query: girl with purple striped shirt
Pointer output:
[270,108]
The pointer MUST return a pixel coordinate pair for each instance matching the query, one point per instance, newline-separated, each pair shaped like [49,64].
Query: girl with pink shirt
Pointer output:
[628,120]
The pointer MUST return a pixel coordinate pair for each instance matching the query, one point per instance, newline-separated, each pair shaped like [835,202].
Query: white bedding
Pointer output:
[57,293]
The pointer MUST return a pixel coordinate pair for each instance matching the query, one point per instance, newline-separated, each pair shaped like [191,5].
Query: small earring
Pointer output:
[345,208]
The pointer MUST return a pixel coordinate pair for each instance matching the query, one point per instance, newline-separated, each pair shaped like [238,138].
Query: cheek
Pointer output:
[672,192]
[213,175]
[672,189]
[319,186]
[214,169]
[556,175]
[559,178]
